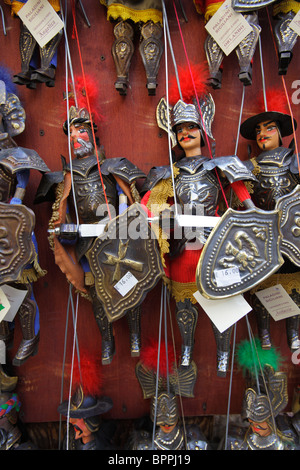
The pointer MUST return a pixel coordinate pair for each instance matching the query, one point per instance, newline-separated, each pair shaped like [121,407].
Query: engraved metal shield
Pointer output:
[242,250]
[16,248]
[244,6]
[125,262]
[289,206]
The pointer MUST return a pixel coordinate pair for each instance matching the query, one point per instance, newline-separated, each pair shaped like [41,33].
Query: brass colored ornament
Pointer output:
[16,248]
[116,256]
[247,242]
[289,205]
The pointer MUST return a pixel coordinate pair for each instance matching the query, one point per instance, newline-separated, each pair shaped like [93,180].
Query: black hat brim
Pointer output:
[102,405]
[248,127]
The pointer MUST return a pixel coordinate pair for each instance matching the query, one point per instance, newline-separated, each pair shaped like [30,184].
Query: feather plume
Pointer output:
[252,357]
[276,101]
[88,374]
[149,356]
[190,79]
[84,92]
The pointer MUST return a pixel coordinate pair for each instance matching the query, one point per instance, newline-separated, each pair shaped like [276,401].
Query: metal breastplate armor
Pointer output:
[175,440]
[195,185]
[275,178]
[89,190]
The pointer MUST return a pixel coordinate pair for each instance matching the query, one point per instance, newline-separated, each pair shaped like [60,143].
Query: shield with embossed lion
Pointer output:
[16,248]
[125,262]
[289,206]
[242,250]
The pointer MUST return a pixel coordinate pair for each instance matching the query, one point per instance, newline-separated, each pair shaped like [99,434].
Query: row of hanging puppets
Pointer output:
[131,18]
[116,239]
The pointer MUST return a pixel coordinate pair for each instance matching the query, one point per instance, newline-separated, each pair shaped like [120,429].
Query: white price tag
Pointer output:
[41,19]
[227,27]
[224,312]
[126,283]
[278,302]
[227,277]
[295,23]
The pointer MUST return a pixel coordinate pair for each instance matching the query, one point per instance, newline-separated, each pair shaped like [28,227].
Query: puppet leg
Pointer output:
[122,51]
[246,48]
[6,334]
[48,53]
[134,322]
[214,56]
[151,49]
[223,349]
[286,39]
[105,327]
[29,319]
[263,322]
[187,317]
[27,45]
[292,324]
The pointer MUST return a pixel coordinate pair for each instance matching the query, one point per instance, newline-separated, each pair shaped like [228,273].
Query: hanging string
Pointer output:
[176,369]
[68,65]
[262,73]
[197,99]
[165,21]
[240,119]
[230,386]
[285,91]
[167,29]
[88,105]
[158,365]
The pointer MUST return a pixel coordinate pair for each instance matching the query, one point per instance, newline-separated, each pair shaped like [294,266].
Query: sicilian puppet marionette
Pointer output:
[13,435]
[162,382]
[87,431]
[96,255]
[283,13]
[277,186]
[198,190]
[244,50]
[38,64]
[19,254]
[132,17]
[265,426]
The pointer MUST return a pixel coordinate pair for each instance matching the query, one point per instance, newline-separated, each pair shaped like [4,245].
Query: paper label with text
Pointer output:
[227,27]
[227,277]
[41,19]
[278,302]
[126,283]
[295,23]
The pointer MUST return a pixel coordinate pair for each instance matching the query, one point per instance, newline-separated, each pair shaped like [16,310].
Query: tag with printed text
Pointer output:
[295,23]
[227,27]
[41,19]
[278,302]
[126,283]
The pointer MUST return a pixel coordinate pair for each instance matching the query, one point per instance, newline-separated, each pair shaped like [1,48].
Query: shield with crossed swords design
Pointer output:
[125,262]
[242,250]
[16,248]
[289,206]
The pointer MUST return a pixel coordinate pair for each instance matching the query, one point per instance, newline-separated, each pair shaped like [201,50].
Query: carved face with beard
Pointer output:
[81,141]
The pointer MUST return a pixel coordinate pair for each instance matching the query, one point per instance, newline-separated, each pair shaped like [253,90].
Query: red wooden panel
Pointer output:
[129,130]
